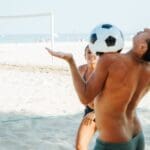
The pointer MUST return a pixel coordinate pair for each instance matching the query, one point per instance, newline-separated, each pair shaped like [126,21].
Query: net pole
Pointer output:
[52,30]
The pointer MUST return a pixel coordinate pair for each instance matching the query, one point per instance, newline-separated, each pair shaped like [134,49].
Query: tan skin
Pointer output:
[88,68]
[118,84]
[87,126]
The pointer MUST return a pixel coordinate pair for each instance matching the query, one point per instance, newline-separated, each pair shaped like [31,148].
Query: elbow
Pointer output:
[85,101]
[85,97]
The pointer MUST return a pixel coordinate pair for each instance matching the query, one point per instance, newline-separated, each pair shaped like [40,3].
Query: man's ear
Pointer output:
[143,47]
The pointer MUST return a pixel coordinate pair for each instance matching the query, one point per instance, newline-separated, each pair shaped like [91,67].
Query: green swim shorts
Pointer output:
[136,143]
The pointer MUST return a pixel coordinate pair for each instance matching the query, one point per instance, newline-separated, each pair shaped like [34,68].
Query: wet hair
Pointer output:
[119,50]
[146,56]
[101,53]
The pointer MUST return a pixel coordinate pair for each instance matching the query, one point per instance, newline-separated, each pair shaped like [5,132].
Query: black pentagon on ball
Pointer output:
[107,26]
[93,38]
[110,41]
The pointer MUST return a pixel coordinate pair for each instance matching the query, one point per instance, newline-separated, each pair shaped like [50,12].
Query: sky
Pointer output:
[74,16]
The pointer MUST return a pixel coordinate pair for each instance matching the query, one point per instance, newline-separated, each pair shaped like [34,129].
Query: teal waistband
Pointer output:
[136,141]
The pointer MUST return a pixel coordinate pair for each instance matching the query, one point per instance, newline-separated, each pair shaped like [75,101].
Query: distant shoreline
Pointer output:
[60,37]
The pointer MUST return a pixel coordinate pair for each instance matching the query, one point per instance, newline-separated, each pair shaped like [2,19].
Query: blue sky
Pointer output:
[74,16]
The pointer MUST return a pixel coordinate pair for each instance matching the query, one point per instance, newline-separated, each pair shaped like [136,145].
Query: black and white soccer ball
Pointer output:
[106,38]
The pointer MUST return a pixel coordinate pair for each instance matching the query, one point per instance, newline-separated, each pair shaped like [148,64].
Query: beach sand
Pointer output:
[39,109]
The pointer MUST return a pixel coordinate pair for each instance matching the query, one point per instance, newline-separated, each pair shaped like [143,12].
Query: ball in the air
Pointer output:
[106,38]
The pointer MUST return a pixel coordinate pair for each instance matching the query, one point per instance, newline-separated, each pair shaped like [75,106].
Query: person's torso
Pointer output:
[85,73]
[115,107]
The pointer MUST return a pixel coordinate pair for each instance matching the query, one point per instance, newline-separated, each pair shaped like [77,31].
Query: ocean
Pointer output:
[62,37]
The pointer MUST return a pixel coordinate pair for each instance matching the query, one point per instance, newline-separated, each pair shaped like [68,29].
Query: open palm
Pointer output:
[62,55]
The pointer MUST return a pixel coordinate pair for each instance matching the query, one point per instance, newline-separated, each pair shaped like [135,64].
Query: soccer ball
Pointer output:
[106,38]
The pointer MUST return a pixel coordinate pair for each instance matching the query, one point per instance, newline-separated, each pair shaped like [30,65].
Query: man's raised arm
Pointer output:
[85,90]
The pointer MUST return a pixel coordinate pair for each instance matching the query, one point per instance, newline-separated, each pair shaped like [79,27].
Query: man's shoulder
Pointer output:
[113,61]
[109,58]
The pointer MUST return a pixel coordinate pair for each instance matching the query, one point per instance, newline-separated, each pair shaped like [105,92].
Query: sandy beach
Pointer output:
[39,109]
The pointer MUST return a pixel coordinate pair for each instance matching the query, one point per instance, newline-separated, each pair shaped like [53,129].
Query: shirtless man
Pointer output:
[117,85]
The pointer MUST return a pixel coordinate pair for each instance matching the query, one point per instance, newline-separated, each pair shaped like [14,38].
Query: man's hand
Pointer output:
[66,56]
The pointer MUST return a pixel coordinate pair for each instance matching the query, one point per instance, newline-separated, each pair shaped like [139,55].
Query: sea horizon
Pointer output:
[58,37]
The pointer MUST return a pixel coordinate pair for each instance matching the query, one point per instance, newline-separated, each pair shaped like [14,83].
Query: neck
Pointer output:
[135,56]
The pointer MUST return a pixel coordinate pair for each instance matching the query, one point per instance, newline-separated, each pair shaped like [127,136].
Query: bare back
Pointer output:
[127,81]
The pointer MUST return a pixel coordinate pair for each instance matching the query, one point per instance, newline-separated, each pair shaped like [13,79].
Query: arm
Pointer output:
[86,91]
[96,82]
